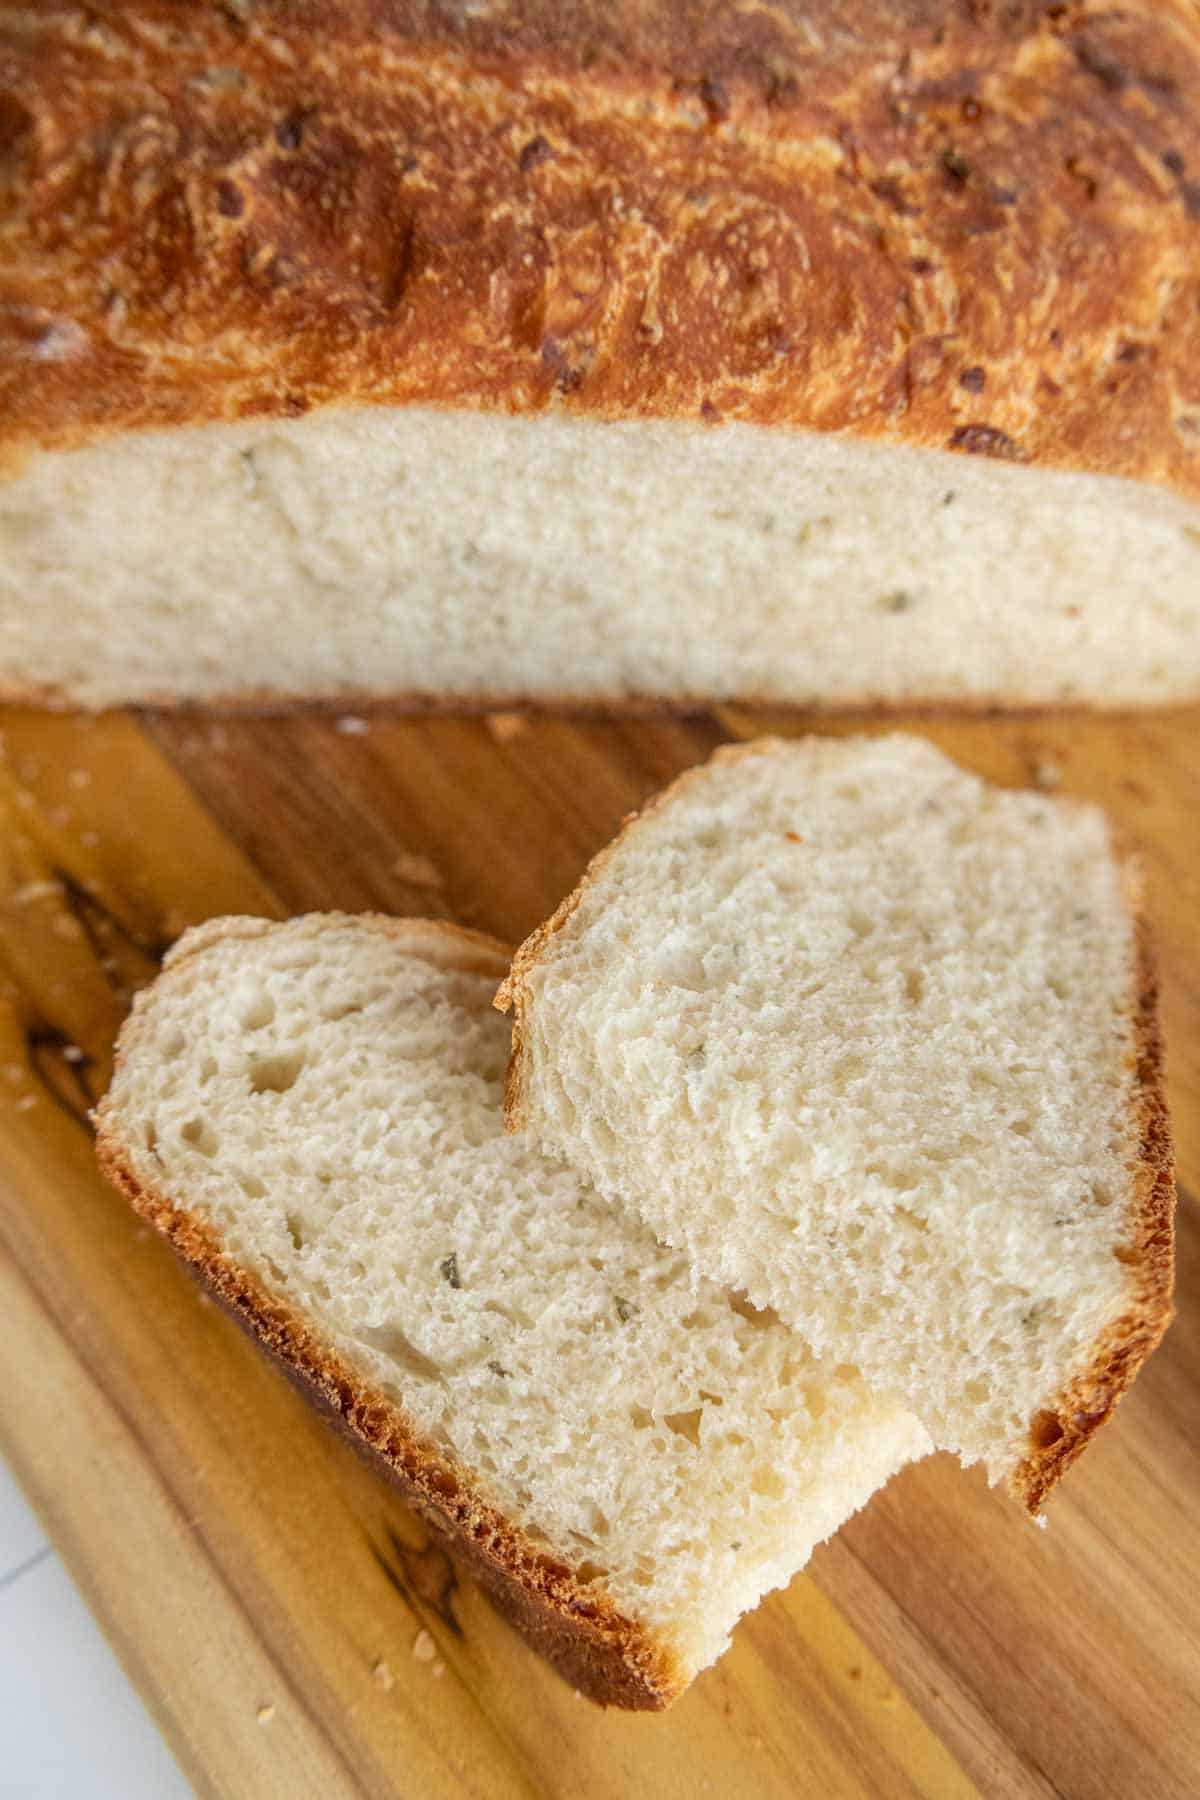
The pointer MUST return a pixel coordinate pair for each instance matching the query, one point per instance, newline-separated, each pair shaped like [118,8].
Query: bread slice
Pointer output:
[878,1043]
[614,351]
[412,555]
[628,1458]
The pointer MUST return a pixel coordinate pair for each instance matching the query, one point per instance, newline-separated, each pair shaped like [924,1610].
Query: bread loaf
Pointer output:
[628,1458]
[877,1043]
[600,350]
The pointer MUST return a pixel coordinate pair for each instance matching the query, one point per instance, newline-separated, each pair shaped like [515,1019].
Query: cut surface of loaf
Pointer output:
[441,556]
[877,1042]
[629,1458]
[600,350]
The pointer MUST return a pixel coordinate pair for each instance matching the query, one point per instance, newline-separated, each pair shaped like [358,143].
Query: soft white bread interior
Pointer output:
[419,555]
[877,1042]
[629,1457]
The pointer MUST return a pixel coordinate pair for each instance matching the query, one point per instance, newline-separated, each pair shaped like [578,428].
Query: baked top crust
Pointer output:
[946,223]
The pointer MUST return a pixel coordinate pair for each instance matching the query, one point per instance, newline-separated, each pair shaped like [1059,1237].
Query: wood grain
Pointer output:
[265,1593]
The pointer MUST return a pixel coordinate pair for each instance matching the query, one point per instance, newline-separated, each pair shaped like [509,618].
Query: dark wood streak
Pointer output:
[104,931]
[66,1079]
[426,1577]
[125,959]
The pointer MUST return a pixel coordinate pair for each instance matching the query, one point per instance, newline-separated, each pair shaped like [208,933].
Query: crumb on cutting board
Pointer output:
[417,870]
[506,725]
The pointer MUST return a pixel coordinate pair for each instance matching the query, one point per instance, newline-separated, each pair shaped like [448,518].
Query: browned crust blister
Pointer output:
[951,226]
[610,1657]
[1058,1434]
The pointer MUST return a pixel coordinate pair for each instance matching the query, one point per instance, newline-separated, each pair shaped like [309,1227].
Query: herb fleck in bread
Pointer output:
[878,1043]
[311,1113]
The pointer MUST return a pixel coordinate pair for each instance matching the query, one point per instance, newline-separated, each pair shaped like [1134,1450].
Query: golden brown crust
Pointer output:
[947,224]
[263,703]
[605,1654]
[1057,1435]
[453,946]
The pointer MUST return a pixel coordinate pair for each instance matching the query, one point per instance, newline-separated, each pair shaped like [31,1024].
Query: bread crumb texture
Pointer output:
[326,1097]
[874,1041]
[397,553]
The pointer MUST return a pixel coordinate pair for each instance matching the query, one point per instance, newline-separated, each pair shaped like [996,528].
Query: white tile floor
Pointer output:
[71,1727]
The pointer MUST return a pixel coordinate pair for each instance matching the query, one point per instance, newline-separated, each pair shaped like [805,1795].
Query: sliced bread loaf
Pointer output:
[628,1458]
[615,351]
[877,1043]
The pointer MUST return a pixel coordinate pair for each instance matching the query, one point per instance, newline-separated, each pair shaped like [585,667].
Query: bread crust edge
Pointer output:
[1059,1433]
[415,703]
[606,1655]
[508,282]
[1089,1400]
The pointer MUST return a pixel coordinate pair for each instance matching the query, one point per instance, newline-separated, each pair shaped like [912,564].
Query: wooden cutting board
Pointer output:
[281,1613]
